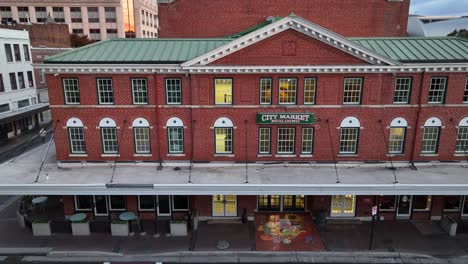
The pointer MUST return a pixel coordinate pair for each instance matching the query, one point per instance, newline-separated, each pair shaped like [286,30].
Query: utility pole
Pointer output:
[375,213]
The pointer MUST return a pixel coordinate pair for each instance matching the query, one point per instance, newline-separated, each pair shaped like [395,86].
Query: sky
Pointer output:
[439,7]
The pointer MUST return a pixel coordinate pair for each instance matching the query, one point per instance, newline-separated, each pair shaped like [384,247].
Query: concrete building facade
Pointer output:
[98,20]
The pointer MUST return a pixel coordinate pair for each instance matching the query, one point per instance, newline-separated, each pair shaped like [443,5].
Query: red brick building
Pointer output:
[350,18]
[290,117]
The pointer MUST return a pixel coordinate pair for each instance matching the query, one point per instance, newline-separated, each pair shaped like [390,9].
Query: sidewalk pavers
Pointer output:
[236,234]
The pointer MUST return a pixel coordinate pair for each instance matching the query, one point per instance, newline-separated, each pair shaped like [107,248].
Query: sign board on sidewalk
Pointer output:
[374,210]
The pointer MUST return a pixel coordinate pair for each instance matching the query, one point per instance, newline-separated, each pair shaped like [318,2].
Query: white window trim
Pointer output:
[408,99]
[167,93]
[146,210]
[180,210]
[98,90]
[232,91]
[360,91]
[259,141]
[70,141]
[175,122]
[315,90]
[294,141]
[140,122]
[279,91]
[135,141]
[133,90]
[168,140]
[117,209]
[65,93]
[270,80]
[84,209]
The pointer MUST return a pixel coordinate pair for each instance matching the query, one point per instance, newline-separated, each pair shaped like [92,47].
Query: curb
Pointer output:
[25,251]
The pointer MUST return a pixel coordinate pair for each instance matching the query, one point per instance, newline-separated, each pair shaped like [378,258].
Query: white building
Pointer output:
[98,19]
[19,107]
[421,26]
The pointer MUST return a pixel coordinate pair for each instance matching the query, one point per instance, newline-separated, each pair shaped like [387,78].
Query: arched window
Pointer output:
[109,136]
[141,134]
[76,136]
[431,133]
[349,135]
[462,137]
[396,140]
[223,135]
[175,135]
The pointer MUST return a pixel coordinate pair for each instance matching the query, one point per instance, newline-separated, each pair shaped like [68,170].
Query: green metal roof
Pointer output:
[175,51]
[134,51]
[418,50]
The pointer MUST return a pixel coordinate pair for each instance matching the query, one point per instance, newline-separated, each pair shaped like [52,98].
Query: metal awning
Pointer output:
[22,112]
[435,178]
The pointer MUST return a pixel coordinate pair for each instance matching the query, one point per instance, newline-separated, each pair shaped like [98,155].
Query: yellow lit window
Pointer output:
[223,91]
[287,90]
[223,140]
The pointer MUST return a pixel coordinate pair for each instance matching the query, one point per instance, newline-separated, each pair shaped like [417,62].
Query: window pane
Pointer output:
[109,140]
[437,90]
[142,139]
[8,53]
[269,202]
[465,95]
[309,90]
[352,91]
[140,91]
[265,91]
[16,49]
[462,140]
[223,91]
[58,14]
[146,202]
[223,140]
[402,90]
[430,139]
[348,140]
[41,14]
[180,202]
[5,13]
[77,141]
[14,85]
[422,202]
[287,90]
[387,202]
[2,85]
[23,14]
[84,202]
[173,91]
[452,203]
[175,139]
[117,202]
[105,91]
[30,79]
[21,82]
[93,15]
[396,140]
[286,139]
[71,91]
[75,13]
[264,140]
[307,140]
[111,16]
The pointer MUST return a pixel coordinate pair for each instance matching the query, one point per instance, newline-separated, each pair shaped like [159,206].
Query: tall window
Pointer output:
[16,49]
[146,202]
[309,90]
[141,132]
[84,202]
[465,95]
[58,14]
[173,91]
[269,203]
[8,53]
[264,140]
[41,14]
[23,14]
[293,203]
[109,136]
[95,34]
[117,203]
[76,136]
[223,136]
[75,13]
[396,139]
[287,90]
[105,91]
[30,79]
[223,91]
[111,16]
[21,82]
[71,91]
[286,140]
[2,85]
[266,85]
[175,135]
[352,91]
[307,140]
[26,52]
[5,12]
[14,85]
[462,137]
[93,15]
[402,90]
[437,90]
[140,91]
[349,135]
[431,134]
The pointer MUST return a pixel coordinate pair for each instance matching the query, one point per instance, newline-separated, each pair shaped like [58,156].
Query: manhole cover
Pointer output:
[222,245]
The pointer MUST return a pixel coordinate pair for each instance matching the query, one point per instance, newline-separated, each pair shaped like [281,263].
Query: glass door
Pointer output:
[224,205]
[100,205]
[343,206]
[405,203]
[293,203]
[164,205]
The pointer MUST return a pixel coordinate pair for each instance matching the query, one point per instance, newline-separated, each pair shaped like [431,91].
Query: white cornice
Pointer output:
[301,25]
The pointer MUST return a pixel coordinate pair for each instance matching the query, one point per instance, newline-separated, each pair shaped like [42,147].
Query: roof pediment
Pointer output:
[298,24]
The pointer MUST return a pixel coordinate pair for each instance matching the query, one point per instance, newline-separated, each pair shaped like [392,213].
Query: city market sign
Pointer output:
[285,118]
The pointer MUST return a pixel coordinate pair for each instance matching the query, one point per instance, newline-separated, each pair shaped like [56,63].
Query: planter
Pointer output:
[41,228]
[179,228]
[449,225]
[20,219]
[80,228]
[119,228]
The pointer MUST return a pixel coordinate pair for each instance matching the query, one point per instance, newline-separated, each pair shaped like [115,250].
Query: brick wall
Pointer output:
[48,35]
[352,18]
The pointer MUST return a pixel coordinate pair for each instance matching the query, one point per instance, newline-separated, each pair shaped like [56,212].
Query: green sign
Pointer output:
[285,118]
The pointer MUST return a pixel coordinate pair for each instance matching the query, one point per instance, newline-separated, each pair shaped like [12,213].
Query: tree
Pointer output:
[77,41]
[463,33]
